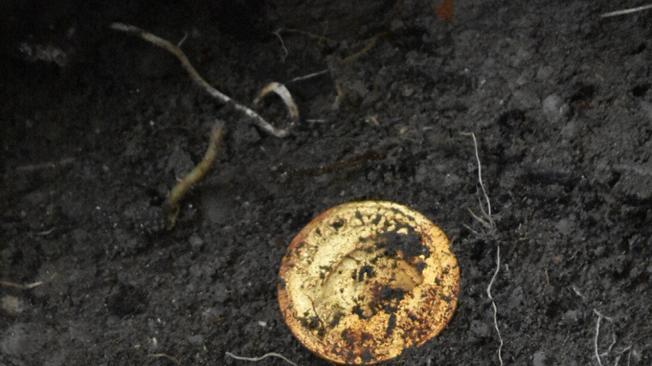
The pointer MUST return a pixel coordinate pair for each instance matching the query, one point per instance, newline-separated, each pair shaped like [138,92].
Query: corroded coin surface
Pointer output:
[365,280]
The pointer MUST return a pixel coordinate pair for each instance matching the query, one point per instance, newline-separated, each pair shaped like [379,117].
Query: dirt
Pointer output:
[94,138]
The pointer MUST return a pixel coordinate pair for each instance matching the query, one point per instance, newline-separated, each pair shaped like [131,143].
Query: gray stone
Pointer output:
[554,108]
[196,339]
[539,359]
[571,316]
[12,305]
[221,292]
[570,130]
[647,109]
[196,241]
[564,226]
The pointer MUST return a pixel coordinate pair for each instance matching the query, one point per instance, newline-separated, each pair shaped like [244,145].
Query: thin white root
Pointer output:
[309,76]
[283,92]
[620,355]
[22,286]
[596,347]
[48,165]
[626,11]
[488,221]
[198,79]
[578,293]
[182,40]
[277,33]
[256,359]
[27,286]
[494,307]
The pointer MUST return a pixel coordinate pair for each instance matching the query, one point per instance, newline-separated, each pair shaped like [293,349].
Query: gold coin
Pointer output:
[365,280]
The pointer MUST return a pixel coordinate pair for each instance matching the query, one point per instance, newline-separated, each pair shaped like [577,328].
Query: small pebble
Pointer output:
[539,359]
[647,109]
[554,108]
[564,226]
[571,316]
[196,339]
[221,293]
[196,241]
[12,305]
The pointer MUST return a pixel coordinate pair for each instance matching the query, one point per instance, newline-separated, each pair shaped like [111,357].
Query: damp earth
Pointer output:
[94,137]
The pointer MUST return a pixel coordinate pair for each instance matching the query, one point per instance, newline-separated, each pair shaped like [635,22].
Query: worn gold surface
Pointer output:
[365,280]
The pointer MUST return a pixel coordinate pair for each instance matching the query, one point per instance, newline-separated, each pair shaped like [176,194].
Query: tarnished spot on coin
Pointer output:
[365,280]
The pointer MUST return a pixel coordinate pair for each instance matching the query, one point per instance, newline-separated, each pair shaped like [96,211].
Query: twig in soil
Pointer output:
[21,286]
[167,357]
[371,43]
[48,165]
[199,80]
[171,206]
[256,359]
[182,40]
[626,11]
[309,76]
[596,347]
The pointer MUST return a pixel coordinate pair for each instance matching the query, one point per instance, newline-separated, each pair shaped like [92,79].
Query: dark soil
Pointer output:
[559,99]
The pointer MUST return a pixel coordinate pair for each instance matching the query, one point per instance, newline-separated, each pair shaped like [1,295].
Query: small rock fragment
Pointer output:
[571,316]
[539,359]
[564,226]
[221,293]
[196,339]
[196,241]
[554,108]
[11,305]
[647,108]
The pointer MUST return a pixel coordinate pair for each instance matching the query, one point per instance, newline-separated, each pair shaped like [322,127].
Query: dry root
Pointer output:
[171,206]
[256,359]
[199,80]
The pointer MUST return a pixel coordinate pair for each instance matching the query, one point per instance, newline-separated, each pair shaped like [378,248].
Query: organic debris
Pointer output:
[445,10]
[171,206]
[199,80]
